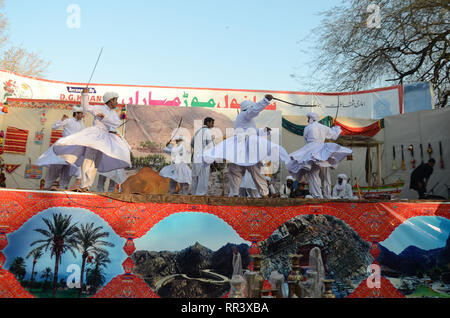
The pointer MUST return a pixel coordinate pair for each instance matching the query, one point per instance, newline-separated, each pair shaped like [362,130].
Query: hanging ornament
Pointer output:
[123,113]
[5,109]
[2,133]
[39,137]
[43,117]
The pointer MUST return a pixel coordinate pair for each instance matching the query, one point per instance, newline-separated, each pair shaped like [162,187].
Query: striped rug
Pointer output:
[16,140]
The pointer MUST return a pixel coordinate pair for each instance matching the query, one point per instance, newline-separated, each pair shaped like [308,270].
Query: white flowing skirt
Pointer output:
[246,150]
[179,172]
[118,176]
[50,158]
[323,155]
[116,151]
[247,181]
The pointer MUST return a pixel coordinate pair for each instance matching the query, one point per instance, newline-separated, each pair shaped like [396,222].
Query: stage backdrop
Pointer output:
[374,104]
[166,246]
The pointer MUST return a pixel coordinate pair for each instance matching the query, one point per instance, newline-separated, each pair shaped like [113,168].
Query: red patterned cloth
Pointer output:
[370,130]
[16,140]
[10,168]
[56,134]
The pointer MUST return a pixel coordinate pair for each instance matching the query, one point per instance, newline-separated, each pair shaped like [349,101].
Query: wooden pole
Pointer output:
[379,165]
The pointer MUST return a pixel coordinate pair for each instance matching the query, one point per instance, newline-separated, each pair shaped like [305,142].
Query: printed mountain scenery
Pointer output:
[64,253]
[345,254]
[419,271]
[189,255]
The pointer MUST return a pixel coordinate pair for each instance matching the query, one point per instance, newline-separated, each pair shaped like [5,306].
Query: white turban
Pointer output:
[344,178]
[313,116]
[289,178]
[246,104]
[109,95]
[77,109]
[268,179]
[179,138]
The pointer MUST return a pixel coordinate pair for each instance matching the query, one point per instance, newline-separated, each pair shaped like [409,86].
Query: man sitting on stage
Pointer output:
[342,189]
[420,177]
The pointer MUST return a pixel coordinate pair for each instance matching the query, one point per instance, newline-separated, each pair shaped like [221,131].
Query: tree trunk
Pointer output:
[32,274]
[55,275]
[83,263]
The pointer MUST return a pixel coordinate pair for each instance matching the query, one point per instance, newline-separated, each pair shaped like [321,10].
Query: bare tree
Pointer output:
[410,44]
[16,58]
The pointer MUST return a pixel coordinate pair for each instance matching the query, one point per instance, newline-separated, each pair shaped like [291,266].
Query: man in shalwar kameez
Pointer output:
[57,167]
[201,141]
[315,159]
[97,148]
[247,149]
[178,172]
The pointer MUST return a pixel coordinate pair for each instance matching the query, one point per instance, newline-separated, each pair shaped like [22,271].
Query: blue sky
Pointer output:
[19,243]
[425,232]
[251,44]
[182,230]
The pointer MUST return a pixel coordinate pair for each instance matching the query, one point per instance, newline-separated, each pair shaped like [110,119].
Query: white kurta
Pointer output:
[343,191]
[285,191]
[316,151]
[247,181]
[99,137]
[317,157]
[246,147]
[70,126]
[178,171]
[118,176]
[201,141]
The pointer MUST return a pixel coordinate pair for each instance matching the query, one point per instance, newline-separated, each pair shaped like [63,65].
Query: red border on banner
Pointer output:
[133,220]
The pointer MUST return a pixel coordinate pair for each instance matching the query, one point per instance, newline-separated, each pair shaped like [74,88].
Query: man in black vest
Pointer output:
[420,177]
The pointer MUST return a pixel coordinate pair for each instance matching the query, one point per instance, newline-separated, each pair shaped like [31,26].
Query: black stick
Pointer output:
[293,104]
[92,74]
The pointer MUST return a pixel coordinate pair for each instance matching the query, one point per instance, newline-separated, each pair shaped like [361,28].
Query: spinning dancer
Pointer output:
[317,157]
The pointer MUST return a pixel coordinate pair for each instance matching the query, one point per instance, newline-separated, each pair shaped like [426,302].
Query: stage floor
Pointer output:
[273,228]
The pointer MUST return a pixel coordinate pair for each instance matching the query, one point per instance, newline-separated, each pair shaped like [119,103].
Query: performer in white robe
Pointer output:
[116,177]
[247,187]
[58,167]
[178,171]
[246,150]
[317,157]
[201,141]
[342,189]
[97,148]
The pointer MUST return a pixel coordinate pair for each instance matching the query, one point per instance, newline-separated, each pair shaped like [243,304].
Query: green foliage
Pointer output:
[155,161]
[18,268]
[150,146]
[425,291]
